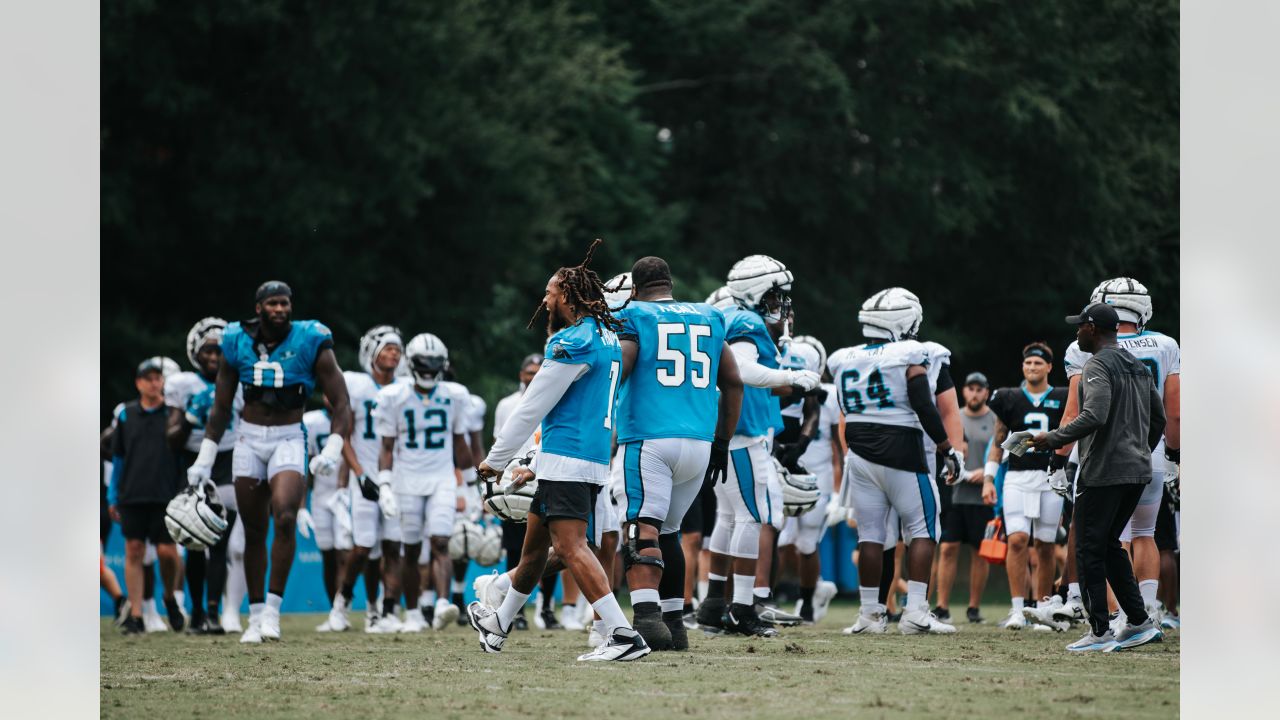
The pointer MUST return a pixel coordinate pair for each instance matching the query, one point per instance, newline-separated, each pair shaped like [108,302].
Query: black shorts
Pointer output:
[221,474]
[966,524]
[1166,526]
[565,499]
[144,522]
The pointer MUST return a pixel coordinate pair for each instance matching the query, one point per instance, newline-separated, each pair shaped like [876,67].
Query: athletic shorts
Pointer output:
[661,478]
[432,513]
[330,533]
[369,527]
[745,491]
[1166,525]
[1143,521]
[692,522]
[805,531]
[607,519]
[144,521]
[570,499]
[965,524]
[872,490]
[1034,512]
[264,451]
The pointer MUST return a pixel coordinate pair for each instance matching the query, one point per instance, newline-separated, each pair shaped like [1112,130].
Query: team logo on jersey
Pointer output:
[559,351]
[1052,403]
[287,354]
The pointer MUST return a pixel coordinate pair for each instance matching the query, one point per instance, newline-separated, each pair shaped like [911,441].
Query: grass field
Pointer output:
[807,673]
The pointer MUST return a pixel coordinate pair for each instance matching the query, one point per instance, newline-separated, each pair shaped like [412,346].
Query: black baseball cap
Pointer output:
[1100,314]
[977,378]
[151,364]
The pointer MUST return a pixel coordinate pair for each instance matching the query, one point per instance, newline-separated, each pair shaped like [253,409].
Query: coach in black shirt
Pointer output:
[144,478]
[1121,420]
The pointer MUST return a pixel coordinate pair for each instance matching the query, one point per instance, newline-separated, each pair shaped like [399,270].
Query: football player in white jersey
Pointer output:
[1162,356]
[889,406]
[329,517]
[375,523]
[421,427]
[189,396]
[469,504]
[822,458]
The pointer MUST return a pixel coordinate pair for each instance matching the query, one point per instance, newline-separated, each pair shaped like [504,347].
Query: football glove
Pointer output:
[1172,481]
[368,488]
[340,505]
[790,456]
[202,469]
[834,511]
[952,466]
[806,380]
[1059,483]
[386,496]
[326,461]
[718,463]
[306,526]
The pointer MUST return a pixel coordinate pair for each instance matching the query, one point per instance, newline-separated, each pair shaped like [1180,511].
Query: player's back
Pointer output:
[671,391]
[761,409]
[871,381]
[1159,352]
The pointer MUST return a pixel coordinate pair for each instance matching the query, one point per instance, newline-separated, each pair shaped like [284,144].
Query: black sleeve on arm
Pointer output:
[922,402]
[945,382]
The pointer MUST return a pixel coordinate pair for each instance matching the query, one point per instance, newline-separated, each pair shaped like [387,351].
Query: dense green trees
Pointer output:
[429,164]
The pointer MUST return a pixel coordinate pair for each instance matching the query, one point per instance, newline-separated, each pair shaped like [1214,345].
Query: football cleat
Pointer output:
[742,619]
[973,615]
[1072,611]
[177,618]
[1015,620]
[253,634]
[151,620]
[776,616]
[690,620]
[132,626]
[923,622]
[1043,614]
[943,614]
[486,591]
[1093,643]
[122,610]
[571,621]
[520,623]
[414,621]
[652,628]
[213,627]
[679,633]
[710,614]
[546,620]
[445,613]
[485,622]
[231,620]
[625,644]
[823,594]
[337,621]
[270,625]
[1170,622]
[874,624]
[1134,635]
[1117,622]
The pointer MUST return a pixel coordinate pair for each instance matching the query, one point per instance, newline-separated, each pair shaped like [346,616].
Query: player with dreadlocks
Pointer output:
[573,397]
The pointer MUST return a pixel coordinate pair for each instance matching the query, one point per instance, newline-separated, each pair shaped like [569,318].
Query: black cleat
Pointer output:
[549,621]
[197,624]
[648,622]
[429,613]
[132,626]
[213,625]
[520,623]
[943,614]
[741,619]
[973,615]
[894,616]
[122,610]
[176,620]
[806,614]
[711,614]
[674,621]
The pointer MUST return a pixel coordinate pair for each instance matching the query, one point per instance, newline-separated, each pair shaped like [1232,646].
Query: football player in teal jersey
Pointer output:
[278,361]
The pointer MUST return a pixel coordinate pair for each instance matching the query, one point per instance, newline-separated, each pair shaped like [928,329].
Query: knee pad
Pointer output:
[631,550]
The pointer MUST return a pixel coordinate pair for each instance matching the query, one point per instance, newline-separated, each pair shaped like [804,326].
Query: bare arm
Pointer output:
[1001,433]
[176,429]
[630,349]
[334,387]
[386,452]
[1070,410]
[1173,412]
[477,446]
[949,409]
[461,453]
[730,383]
[223,395]
[837,459]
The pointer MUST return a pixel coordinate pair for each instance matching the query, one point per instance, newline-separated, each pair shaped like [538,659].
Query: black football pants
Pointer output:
[1100,515]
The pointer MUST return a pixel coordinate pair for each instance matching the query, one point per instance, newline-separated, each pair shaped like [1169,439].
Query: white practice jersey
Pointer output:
[362,392]
[871,381]
[192,394]
[1158,352]
[939,357]
[475,414]
[316,424]
[423,425]
[817,457]
[502,413]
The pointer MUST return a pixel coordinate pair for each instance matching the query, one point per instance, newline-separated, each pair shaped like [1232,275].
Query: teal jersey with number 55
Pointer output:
[582,422]
[671,391]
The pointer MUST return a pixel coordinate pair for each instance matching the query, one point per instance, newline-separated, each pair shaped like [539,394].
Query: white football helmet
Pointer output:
[195,518]
[1128,296]
[376,338]
[892,314]
[512,507]
[210,328]
[721,298]
[428,358]
[809,347]
[466,539]
[755,276]
[800,493]
[618,291]
[489,551]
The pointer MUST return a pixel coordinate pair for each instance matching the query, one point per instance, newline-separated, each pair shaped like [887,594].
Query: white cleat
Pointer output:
[1072,611]
[873,624]
[595,639]
[270,624]
[484,621]
[625,644]
[1042,615]
[253,634]
[570,619]
[923,622]
[230,621]
[387,624]
[823,594]
[151,619]
[337,621]
[486,592]
[1014,621]
[446,614]
[414,621]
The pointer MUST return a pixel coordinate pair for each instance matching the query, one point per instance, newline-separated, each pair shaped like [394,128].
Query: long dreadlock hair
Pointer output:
[583,290]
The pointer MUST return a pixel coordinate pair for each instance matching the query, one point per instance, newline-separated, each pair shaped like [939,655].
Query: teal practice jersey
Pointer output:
[291,363]
[581,424]
[761,409]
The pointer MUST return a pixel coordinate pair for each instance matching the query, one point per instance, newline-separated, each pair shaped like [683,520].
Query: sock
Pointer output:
[610,613]
[704,588]
[1017,604]
[1073,591]
[149,607]
[255,611]
[715,586]
[273,602]
[598,626]
[870,599]
[428,598]
[181,597]
[672,605]
[743,589]
[762,593]
[1149,588]
[917,595]
[456,587]
[511,606]
[644,596]
[341,602]
[388,606]
[806,596]
[503,583]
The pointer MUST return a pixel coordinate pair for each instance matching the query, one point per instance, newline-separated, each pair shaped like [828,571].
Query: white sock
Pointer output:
[1073,591]
[236,584]
[457,587]
[703,585]
[761,592]
[1148,588]
[1017,604]
[643,595]
[273,602]
[598,626]
[149,607]
[672,604]
[503,583]
[610,613]
[181,597]
[255,611]
[743,585]
[870,598]
[427,598]
[340,602]
[917,595]
[511,606]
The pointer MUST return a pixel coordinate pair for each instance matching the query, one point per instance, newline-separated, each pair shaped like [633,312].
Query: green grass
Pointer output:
[807,673]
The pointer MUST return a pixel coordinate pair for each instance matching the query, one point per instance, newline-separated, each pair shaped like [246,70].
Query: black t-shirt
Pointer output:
[1018,410]
[149,468]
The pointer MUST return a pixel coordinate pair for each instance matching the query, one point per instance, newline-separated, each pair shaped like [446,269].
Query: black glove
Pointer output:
[718,463]
[1173,455]
[1057,462]
[368,488]
[790,456]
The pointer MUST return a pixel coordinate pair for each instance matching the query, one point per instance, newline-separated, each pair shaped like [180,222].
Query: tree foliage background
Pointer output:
[430,164]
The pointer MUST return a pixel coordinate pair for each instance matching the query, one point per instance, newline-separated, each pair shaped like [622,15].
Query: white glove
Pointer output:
[306,526]
[806,380]
[327,461]
[1059,483]
[202,469]
[952,466]
[386,496]
[834,512]
[340,505]
[1173,479]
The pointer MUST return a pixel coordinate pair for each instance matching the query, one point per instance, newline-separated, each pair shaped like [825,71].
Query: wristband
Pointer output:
[384,477]
[333,449]
[990,469]
[1173,455]
[208,453]
[1057,462]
